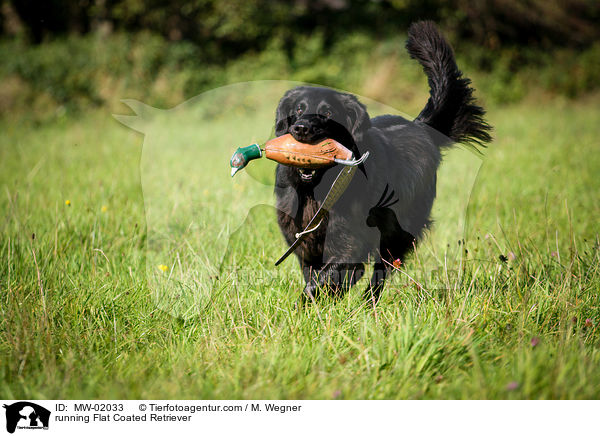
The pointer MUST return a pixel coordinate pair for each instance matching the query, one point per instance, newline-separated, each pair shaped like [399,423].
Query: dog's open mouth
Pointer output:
[306,175]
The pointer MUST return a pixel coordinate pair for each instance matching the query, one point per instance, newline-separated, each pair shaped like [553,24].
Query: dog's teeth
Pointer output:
[306,174]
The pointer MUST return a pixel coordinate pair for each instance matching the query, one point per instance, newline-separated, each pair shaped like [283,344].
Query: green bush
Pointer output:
[76,72]
[65,70]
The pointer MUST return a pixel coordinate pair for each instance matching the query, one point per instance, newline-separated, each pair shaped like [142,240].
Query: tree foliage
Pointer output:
[227,27]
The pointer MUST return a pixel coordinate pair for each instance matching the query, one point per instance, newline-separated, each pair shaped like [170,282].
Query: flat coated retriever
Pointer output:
[386,208]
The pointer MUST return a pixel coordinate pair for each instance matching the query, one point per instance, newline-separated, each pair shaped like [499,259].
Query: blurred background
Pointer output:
[65,55]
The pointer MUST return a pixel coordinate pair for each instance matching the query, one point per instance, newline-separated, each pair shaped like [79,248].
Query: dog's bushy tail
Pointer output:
[451,108]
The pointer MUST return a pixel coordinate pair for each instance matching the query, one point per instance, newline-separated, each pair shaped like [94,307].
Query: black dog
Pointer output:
[386,207]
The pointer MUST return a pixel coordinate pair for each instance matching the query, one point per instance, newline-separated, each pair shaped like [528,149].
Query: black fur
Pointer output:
[386,208]
[451,108]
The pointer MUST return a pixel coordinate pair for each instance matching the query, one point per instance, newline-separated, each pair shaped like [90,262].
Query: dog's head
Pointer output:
[311,114]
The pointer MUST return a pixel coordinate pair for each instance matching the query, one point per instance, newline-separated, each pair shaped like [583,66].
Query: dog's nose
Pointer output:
[300,129]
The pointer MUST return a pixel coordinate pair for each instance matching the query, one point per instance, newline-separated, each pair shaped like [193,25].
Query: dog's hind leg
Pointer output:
[373,291]
[392,251]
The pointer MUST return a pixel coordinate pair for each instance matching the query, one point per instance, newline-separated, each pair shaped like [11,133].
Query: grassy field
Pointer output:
[88,218]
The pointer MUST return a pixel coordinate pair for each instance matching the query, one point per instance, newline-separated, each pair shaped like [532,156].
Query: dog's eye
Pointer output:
[325,111]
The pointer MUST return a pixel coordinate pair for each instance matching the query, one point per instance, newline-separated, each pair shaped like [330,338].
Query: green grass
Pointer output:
[80,315]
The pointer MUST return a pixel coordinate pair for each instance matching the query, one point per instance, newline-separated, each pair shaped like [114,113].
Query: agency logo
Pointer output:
[26,415]
[208,233]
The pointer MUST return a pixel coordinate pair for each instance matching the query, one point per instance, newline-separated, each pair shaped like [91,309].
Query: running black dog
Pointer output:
[386,208]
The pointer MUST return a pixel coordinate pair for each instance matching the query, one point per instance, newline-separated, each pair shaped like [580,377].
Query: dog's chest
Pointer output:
[293,215]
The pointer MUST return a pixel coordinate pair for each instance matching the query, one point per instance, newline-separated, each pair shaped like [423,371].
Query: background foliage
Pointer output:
[89,52]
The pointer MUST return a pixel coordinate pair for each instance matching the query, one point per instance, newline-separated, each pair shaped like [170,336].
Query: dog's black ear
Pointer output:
[357,117]
[283,117]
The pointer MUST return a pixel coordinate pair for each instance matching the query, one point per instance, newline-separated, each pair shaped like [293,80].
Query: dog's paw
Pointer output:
[309,293]
[371,296]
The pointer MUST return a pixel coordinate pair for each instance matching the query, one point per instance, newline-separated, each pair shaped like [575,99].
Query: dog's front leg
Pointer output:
[336,278]
[341,267]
